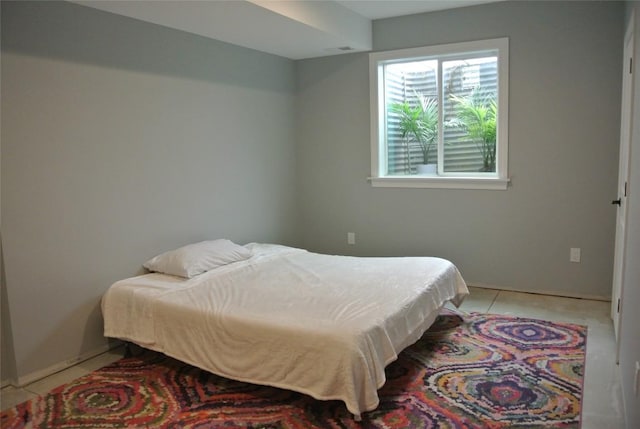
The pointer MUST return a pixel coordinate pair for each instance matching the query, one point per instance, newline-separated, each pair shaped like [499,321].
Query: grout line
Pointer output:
[33,392]
[493,302]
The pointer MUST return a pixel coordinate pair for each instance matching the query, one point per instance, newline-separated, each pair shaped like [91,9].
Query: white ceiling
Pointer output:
[293,29]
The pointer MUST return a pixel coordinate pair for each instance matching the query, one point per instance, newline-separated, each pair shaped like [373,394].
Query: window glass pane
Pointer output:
[434,116]
[411,117]
[470,114]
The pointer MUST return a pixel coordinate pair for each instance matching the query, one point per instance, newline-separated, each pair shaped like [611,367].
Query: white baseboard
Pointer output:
[542,292]
[42,373]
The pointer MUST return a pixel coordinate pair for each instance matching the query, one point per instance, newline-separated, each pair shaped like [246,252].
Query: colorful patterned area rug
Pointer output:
[467,371]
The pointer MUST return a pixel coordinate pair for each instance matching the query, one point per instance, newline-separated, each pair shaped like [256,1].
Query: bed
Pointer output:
[322,325]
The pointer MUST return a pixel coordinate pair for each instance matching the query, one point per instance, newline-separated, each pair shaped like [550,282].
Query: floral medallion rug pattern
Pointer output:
[467,371]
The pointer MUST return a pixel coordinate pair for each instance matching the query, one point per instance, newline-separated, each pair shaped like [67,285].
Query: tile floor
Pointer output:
[602,402]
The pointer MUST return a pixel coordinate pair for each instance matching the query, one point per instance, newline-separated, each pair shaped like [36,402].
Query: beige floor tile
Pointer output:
[43,386]
[553,308]
[479,300]
[103,359]
[602,387]
[11,396]
[81,369]
[594,421]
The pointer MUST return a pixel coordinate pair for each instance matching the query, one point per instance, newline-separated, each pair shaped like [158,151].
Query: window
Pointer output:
[439,116]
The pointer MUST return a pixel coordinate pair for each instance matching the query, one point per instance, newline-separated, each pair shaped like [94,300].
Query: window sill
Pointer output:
[488,183]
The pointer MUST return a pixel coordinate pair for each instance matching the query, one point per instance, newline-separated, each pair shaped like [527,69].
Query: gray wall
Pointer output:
[122,139]
[565,68]
[630,325]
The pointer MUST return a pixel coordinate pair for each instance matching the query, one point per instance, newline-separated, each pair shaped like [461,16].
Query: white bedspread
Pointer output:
[318,324]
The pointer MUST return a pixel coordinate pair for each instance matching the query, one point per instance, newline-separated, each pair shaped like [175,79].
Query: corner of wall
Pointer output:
[7,359]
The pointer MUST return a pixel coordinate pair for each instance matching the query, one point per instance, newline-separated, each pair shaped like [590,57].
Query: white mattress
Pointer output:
[318,324]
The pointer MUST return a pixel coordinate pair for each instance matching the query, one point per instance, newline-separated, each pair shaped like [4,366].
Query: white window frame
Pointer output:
[377,60]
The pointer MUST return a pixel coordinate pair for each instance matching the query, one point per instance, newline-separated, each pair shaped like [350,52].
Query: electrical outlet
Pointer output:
[574,254]
[351,238]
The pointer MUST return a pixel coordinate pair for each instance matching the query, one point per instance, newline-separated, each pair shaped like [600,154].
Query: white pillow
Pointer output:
[194,259]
